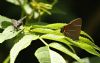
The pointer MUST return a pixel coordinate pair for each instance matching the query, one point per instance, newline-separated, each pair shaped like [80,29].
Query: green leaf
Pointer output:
[83,33]
[55,25]
[59,39]
[95,60]
[56,58]
[50,26]
[56,38]
[47,31]
[85,60]
[45,55]
[22,44]
[65,50]
[8,33]
[40,55]
[87,48]
[85,40]
[4,21]
[16,1]
[90,60]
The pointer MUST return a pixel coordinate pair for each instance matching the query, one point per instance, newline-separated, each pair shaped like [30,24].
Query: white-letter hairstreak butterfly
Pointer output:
[73,29]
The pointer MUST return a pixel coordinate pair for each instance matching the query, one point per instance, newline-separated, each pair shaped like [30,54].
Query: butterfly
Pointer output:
[18,23]
[73,29]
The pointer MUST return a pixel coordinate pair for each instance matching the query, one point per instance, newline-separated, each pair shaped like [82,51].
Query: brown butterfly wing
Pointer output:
[73,29]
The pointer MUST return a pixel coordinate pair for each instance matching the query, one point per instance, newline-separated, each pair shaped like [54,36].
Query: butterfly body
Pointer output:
[73,29]
[18,23]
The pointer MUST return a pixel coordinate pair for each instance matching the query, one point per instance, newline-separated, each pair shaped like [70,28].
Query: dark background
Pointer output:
[64,11]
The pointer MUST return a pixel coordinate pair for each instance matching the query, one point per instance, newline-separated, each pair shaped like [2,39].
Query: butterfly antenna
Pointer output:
[20,20]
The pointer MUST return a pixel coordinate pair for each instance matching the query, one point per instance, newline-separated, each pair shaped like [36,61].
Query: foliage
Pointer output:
[34,29]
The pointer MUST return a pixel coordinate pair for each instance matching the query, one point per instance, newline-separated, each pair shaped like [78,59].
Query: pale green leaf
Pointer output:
[16,1]
[36,15]
[56,58]
[4,21]
[56,38]
[22,44]
[45,55]
[8,33]
[27,9]
[65,50]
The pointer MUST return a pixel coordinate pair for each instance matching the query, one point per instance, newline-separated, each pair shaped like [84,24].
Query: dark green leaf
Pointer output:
[90,60]
[85,60]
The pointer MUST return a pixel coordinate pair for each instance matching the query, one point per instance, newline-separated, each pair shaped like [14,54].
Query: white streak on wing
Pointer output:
[68,34]
[72,30]
[78,25]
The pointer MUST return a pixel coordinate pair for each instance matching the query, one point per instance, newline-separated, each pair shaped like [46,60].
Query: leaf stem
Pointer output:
[44,42]
[39,18]
[7,59]
[55,1]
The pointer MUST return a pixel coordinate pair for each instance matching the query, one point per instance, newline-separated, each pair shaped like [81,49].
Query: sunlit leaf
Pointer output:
[56,38]
[56,58]
[4,21]
[65,50]
[22,44]
[16,2]
[27,9]
[45,55]
[8,33]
